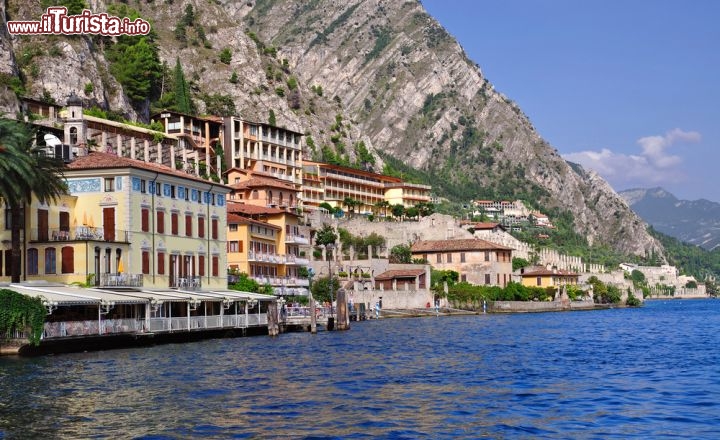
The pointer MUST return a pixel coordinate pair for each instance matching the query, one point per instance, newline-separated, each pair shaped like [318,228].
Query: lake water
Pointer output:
[645,373]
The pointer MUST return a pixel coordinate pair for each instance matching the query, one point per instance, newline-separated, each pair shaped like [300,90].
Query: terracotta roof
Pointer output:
[96,160]
[402,273]
[257,181]
[384,178]
[548,272]
[465,244]
[234,218]
[234,207]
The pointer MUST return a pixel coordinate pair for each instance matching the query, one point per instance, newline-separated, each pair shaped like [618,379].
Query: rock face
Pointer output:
[381,71]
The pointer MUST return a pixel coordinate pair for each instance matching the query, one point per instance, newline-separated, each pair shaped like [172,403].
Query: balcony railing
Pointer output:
[187,283]
[299,239]
[81,233]
[121,279]
[280,281]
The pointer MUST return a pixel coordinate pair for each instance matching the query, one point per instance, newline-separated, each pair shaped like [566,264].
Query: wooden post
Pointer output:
[313,317]
[343,319]
[272,316]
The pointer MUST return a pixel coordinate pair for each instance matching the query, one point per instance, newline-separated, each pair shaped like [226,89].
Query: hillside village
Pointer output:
[191,202]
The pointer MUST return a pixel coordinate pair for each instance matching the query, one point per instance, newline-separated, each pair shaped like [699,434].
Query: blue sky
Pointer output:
[628,88]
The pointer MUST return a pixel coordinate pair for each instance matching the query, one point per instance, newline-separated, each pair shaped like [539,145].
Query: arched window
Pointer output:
[73,135]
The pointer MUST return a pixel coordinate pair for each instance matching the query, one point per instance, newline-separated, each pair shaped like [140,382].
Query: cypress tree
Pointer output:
[183,101]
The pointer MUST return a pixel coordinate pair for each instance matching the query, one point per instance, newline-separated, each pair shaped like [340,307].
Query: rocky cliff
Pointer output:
[379,71]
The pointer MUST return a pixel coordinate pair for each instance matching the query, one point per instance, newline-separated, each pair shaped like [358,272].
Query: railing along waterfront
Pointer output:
[63,329]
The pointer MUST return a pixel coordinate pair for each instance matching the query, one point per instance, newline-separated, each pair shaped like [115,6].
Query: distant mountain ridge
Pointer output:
[692,221]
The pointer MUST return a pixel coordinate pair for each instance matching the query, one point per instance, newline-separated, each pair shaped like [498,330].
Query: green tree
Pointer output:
[401,254]
[398,210]
[326,236]
[137,67]
[245,284]
[321,288]
[183,101]
[271,118]
[27,173]
[226,56]
[518,263]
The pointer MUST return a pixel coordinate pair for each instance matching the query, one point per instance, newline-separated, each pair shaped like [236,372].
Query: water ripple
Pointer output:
[640,373]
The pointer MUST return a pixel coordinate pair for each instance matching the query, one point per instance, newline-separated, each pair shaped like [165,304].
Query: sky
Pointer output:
[630,89]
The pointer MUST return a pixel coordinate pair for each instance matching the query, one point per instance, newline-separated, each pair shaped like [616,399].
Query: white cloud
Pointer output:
[653,165]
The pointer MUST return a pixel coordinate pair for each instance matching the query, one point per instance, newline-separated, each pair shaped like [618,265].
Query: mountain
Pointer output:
[696,222]
[373,83]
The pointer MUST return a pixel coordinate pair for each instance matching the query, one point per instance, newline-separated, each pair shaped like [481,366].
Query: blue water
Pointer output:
[644,373]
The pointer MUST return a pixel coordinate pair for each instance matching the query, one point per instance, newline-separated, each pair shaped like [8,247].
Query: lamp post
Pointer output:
[330,247]
[313,317]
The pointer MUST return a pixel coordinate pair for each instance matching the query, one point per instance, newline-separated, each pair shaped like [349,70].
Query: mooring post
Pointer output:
[272,316]
[343,319]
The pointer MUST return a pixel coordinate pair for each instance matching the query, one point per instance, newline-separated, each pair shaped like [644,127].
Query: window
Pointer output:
[498,279]
[158,189]
[538,281]
[172,191]
[68,259]
[160,222]
[174,223]
[201,227]
[438,258]
[188,225]
[487,278]
[214,229]
[462,257]
[201,263]
[161,263]
[146,262]
[145,219]
[50,261]
[109,184]
[233,227]
[463,278]
[449,257]
[32,256]
[233,246]
[143,186]
[215,265]
[487,255]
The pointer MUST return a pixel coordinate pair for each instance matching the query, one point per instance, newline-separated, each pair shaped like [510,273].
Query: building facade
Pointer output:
[476,261]
[333,184]
[263,147]
[127,222]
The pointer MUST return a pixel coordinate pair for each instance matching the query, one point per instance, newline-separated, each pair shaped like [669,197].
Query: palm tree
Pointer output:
[31,173]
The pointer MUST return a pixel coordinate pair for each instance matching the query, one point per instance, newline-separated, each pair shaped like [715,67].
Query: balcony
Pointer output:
[121,280]
[186,283]
[297,239]
[79,233]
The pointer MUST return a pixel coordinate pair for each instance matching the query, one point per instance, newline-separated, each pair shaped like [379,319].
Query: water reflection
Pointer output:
[604,374]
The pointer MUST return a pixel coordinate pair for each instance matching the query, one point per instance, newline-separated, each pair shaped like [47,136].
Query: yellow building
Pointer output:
[333,184]
[127,222]
[476,261]
[265,243]
[543,277]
